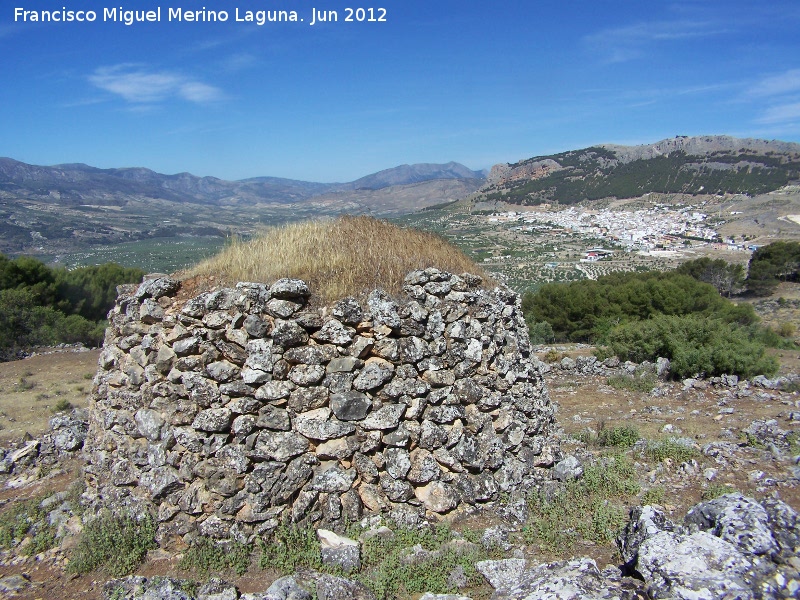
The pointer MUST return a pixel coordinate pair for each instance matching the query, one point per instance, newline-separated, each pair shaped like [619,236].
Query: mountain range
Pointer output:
[69,207]
[66,207]
[715,165]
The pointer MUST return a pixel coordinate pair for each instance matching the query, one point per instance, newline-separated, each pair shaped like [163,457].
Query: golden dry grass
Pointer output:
[336,258]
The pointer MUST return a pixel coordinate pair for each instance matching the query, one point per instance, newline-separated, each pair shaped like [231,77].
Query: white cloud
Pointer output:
[622,44]
[782,113]
[137,85]
[777,85]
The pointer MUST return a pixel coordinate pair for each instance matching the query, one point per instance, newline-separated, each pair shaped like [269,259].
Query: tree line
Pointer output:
[684,315]
[41,305]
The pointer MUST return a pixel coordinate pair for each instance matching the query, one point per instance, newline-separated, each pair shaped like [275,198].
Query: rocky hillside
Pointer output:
[682,165]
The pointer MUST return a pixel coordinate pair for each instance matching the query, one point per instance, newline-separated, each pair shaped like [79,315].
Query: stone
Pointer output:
[149,423]
[424,467]
[375,373]
[502,574]
[222,370]
[161,481]
[306,375]
[213,420]
[397,490]
[398,462]
[288,334]
[333,332]
[217,589]
[285,588]
[282,308]
[339,551]
[329,587]
[437,497]
[279,446]
[333,479]
[575,579]
[274,390]
[568,469]
[737,519]
[350,406]
[344,364]
[289,289]
[644,522]
[386,417]
[255,326]
[684,566]
[272,417]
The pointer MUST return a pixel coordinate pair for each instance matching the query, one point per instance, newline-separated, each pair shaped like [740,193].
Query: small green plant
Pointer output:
[642,382]
[26,518]
[623,436]
[204,556]
[62,405]
[552,356]
[25,385]
[655,495]
[117,544]
[290,548]
[671,448]
[751,441]
[591,505]
[389,571]
[715,490]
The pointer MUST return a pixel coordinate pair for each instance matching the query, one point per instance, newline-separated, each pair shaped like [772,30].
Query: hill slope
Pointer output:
[683,165]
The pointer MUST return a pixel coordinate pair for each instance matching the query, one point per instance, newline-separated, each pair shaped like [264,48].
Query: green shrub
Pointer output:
[26,518]
[205,556]
[62,405]
[389,575]
[590,507]
[715,490]
[117,544]
[655,495]
[289,548]
[623,436]
[694,344]
[640,382]
[671,448]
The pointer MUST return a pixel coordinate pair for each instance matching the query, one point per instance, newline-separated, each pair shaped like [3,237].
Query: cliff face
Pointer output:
[242,407]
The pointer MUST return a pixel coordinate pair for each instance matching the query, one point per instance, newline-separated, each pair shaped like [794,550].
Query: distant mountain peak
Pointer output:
[711,164]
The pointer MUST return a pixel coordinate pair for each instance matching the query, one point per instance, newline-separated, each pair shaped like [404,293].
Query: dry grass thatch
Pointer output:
[337,258]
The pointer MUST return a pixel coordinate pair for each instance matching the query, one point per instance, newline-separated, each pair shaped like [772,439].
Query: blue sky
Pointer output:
[474,82]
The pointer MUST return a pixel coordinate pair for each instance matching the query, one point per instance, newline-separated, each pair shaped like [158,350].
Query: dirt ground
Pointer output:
[31,390]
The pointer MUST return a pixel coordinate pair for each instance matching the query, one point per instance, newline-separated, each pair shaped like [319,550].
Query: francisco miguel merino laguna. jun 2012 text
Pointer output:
[259,17]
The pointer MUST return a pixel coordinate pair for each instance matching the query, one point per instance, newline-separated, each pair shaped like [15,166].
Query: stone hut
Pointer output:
[226,413]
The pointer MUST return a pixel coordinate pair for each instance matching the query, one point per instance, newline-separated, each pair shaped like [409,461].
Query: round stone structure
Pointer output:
[229,412]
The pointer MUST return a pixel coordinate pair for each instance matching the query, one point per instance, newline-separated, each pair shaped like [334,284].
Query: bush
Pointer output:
[387,572]
[623,436]
[642,382]
[206,556]
[26,518]
[671,448]
[290,548]
[715,490]
[694,344]
[590,507]
[117,544]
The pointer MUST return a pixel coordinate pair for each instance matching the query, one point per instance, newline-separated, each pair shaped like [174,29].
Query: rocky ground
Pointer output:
[678,445]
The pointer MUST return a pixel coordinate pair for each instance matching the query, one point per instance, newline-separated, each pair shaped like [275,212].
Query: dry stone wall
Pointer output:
[233,410]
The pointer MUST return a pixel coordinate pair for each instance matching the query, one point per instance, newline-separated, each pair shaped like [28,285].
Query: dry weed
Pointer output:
[337,258]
